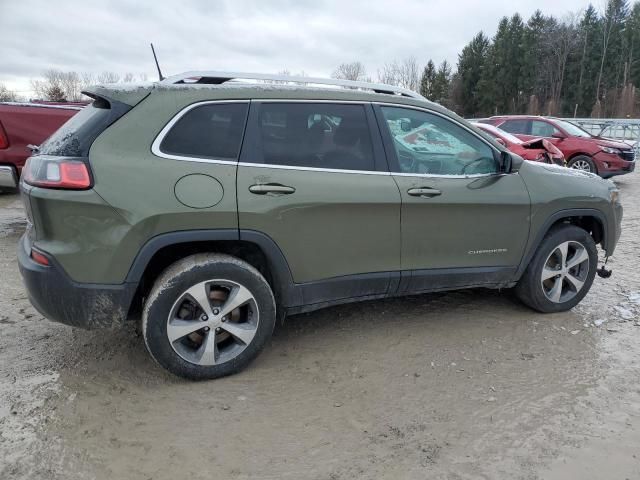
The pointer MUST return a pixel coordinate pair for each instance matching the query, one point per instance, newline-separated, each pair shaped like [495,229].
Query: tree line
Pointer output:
[60,86]
[586,64]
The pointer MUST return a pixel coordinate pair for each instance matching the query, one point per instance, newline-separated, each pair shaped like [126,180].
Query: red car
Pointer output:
[23,124]
[582,150]
[536,150]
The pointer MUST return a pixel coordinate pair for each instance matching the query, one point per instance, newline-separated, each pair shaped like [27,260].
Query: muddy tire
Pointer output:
[208,316]
[561,272]
[584,163]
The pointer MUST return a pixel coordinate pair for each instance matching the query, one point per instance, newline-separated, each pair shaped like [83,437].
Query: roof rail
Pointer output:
[216,78]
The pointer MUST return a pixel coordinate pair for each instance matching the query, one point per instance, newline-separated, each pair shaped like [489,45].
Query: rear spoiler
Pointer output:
[129,94]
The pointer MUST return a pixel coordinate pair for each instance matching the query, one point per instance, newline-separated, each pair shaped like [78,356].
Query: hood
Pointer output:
[568,172]
[608,142]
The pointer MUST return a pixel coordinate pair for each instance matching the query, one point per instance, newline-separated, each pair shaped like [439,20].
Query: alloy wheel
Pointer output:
[212,322]
[581,165]
[565,271]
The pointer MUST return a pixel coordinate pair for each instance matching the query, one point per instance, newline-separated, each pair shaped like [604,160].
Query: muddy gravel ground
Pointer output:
[460,385]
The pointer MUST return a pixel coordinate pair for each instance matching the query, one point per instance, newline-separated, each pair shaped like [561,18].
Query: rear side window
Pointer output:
[542,129]
[520,127]
[317,135]
[208,131]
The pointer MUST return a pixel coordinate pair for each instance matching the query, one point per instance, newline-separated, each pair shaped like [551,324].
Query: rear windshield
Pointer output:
[75,136]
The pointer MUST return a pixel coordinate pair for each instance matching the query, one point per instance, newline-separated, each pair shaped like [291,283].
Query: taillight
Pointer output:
[57,172]
[39,258]
[4,140]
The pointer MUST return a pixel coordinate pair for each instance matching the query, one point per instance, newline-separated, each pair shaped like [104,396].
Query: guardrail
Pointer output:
[625,130]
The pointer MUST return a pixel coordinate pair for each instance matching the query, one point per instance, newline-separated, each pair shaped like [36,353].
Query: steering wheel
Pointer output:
[407,162]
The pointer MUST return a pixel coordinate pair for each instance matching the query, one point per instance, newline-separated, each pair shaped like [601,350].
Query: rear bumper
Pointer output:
[60,299]
[8,177]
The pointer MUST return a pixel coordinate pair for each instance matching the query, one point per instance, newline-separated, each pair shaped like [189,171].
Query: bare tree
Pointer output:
[350,71]
[128,77]
[7,95]
[108,77]
[57,85]
[405,73]
[562,41]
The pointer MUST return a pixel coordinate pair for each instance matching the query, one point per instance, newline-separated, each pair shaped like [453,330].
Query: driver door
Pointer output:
[462,222]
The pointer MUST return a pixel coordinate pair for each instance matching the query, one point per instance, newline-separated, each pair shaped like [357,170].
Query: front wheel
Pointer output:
[583,163]
[207,316]
[561,272]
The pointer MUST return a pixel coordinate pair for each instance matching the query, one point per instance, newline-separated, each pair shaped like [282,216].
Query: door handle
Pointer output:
[271,188]
[424,192]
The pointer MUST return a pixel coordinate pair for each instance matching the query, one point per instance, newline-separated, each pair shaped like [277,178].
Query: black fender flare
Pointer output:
[287,293]
[559,215]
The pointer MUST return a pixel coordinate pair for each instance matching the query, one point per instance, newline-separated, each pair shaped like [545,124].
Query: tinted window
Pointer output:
[208,131]
[427,143]
[542,129]
[319,135]
[516,126]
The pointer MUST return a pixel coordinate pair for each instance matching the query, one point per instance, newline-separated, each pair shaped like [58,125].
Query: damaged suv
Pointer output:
[211,204]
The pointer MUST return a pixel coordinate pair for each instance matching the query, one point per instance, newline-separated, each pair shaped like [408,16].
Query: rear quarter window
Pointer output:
[212,131]
[75,136]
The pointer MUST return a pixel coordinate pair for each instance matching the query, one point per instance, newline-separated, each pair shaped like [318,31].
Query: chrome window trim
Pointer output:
[311,169]
[453,120]
[155,146]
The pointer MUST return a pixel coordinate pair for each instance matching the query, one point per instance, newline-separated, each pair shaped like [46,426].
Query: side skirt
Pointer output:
[373,286]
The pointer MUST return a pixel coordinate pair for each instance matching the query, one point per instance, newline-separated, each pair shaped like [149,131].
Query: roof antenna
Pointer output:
[157,64]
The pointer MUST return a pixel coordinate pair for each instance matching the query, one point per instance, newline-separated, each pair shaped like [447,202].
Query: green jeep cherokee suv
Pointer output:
[211,204]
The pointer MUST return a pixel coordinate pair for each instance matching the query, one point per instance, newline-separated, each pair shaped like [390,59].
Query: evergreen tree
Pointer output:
[441,83]
[471,63]
[426,82]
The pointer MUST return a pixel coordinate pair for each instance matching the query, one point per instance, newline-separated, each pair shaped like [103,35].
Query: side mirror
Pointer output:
[558,135]
[501,141]
[510,162]
[506,162]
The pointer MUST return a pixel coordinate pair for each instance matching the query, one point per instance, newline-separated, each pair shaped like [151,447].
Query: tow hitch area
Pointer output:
[602,271]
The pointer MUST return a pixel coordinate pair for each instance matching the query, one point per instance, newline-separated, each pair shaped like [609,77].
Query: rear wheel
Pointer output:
[561,272]
[208,316]
[583,163]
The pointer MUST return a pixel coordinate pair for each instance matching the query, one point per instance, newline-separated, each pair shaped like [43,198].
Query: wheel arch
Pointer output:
[579,154]
[256,248]
[591,220]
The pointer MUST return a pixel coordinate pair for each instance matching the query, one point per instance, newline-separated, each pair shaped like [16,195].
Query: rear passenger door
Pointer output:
[313,177]
[519,127]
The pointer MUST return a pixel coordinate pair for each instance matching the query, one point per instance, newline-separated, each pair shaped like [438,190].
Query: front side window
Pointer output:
[316,135]
[430,144]
[208,131]
[573,130]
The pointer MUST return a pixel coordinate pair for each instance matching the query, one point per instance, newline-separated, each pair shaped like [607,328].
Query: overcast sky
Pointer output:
[241,35]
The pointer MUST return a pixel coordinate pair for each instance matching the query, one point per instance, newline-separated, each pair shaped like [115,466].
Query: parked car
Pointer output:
[536,150]
[212,209]
[23,124]
[582,150]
